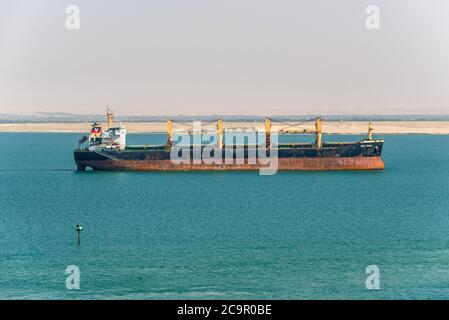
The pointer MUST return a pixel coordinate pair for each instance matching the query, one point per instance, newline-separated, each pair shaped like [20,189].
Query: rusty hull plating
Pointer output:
[293,164]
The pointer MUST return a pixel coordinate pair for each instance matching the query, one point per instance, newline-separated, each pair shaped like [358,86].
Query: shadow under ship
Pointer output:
[106,150]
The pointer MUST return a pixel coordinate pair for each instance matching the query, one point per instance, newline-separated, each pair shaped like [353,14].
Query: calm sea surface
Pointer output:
[223,235]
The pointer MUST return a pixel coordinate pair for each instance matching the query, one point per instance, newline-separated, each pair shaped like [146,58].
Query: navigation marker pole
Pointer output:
[78,229]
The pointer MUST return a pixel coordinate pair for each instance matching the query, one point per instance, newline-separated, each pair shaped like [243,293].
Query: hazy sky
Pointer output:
[225,57]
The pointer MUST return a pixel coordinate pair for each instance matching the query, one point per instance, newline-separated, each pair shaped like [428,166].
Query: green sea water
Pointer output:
[229,235]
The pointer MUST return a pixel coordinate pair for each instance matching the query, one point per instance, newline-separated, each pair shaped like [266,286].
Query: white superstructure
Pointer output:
[114,137]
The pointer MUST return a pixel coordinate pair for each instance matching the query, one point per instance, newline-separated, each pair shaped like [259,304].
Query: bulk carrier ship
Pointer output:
[106,150]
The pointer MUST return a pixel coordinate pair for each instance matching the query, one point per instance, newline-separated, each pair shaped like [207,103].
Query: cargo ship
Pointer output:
[106,150]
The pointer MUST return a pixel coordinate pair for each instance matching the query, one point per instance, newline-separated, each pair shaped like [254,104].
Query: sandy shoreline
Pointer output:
[350,127]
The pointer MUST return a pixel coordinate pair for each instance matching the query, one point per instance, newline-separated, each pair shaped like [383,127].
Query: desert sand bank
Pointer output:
[350,127]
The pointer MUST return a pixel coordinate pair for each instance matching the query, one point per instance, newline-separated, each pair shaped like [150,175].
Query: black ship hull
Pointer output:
[363,155]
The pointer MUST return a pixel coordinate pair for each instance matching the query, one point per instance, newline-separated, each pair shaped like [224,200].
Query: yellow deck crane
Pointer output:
[169,133]
[220,132]
[267,131]
[110,116]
